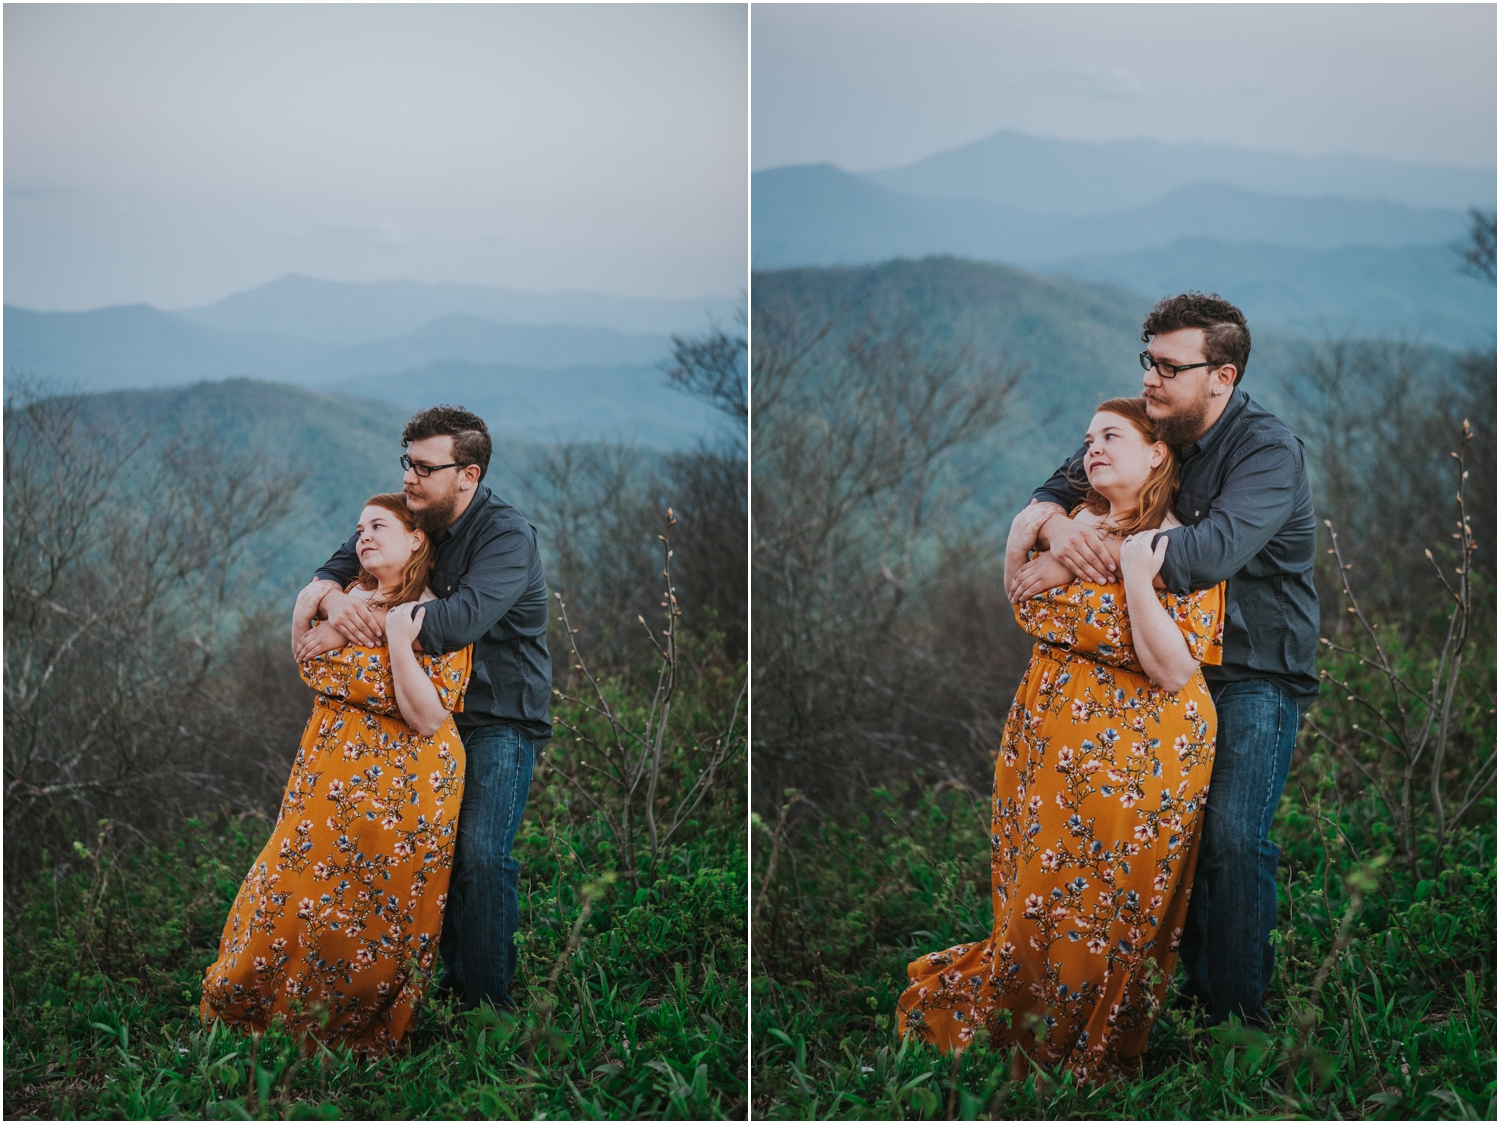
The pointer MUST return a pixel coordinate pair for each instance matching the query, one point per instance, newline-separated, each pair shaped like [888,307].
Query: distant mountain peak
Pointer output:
[1090,177]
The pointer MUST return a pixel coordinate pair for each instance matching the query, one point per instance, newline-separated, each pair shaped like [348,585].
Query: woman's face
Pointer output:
[1118,458]
[384,545]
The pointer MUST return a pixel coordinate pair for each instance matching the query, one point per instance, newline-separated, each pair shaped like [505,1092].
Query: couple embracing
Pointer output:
[1165,574]
[425,638]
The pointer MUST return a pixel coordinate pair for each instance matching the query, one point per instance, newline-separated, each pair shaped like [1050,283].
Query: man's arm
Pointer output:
[1258,494]
[342,567]
[1082,550]
[351,617]
[497,576]
[1067,486]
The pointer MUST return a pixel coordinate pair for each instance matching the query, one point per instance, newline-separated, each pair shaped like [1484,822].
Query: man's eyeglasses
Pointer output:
[1166,370]
[424,470]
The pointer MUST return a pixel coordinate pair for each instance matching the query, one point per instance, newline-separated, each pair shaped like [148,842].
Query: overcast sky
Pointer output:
[177,153]
[876,86]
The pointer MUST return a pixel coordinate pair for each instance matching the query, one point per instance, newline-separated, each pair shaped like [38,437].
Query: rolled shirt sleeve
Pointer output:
[498,575]
[1066,486]
[343,567]
[1259,493]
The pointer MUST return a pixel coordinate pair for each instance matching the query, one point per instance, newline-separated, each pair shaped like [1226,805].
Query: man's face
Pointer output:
[434,498]
[1182,403]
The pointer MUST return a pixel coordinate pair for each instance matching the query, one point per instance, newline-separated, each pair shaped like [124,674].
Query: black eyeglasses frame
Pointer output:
[1162,367]
[425,470]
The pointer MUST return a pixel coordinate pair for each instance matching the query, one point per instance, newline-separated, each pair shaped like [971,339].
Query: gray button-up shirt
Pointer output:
[492,593]
[1247,515]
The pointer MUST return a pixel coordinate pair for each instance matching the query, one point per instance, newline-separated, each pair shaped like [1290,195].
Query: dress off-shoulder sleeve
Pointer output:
[1081,617]
[1200,616]
[354,674]
[362,677]
[1091,620]
[449,673]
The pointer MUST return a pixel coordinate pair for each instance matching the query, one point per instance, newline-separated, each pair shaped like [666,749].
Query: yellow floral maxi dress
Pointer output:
[1099,790]
[337,923]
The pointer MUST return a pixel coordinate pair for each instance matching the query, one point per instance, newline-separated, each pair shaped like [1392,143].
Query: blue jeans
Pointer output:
[1226,947]
[484,910]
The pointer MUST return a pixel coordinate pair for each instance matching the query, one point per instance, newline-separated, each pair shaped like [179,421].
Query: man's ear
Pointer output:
[1224,378]
[469,480]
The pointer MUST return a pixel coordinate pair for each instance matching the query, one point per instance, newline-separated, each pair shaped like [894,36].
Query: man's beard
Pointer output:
[1184,428]
[437,516]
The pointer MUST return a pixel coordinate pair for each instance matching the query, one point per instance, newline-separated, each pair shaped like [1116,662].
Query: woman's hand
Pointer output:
[354,617]
[1138,562]
[1159,644]
[321,638]
[403,623]
[416,697]
[1042,573]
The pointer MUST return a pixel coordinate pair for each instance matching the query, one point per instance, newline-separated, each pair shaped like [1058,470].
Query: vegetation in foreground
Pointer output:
[645,988]
[1383,1001]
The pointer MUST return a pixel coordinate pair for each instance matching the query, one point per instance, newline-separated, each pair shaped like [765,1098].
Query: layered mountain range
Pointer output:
[1314,246]
[523,361]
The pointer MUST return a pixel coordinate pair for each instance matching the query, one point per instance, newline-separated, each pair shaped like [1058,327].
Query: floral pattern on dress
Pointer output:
[1100,785]
[335,927]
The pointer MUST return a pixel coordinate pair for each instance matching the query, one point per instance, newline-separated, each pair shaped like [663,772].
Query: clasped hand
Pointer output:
[403,623]
[1138,561]
[350,619]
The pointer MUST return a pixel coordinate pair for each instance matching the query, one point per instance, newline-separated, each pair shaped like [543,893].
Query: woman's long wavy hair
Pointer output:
[1159,493]
[418,568]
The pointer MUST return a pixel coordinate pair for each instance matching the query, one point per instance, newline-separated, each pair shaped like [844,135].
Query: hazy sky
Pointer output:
[875,86]
[177,153]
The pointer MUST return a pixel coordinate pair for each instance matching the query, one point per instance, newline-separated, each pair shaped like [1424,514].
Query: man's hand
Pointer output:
[307,607]
[354,618]
[315,641]
[1024,529]
[1040,574]
[1080,548]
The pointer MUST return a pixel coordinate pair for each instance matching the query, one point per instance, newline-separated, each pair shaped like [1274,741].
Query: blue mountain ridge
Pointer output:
[1082,178]
[1292,262]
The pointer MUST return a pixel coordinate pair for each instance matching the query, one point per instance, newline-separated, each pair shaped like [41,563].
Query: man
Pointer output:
[1247,516]
[491,593]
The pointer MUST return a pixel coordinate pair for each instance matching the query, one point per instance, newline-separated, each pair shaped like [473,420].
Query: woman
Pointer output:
[337,923]
[1099,790]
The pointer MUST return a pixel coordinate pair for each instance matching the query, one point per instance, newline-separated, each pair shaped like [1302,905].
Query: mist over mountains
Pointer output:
[572,364]
[1303,245]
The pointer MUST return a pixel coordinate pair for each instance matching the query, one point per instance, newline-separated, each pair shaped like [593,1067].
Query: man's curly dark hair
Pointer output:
[471,437]
[1226,336]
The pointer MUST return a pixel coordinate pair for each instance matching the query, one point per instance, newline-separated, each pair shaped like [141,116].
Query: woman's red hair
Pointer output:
[1159,493]
[418,568]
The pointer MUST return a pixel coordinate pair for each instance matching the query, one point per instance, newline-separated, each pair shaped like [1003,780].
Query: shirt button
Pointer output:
[1195,513]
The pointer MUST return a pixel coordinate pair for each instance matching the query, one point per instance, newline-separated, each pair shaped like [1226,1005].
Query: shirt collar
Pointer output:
[479,500]
[1216,432]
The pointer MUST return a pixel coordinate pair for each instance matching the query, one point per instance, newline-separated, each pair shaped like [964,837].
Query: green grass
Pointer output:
[104,956]
[1397,1021]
